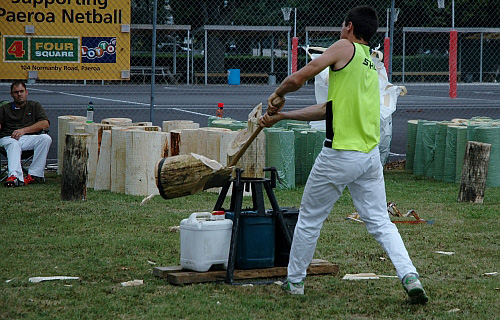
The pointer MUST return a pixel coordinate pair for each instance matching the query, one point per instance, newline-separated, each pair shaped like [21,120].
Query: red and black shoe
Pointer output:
[13,182]
[29,179]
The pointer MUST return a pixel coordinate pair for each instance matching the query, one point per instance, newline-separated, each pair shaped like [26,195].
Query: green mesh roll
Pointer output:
[428,139]
[472,125]
[300,154]
[286,123]
[439,149]
[418,162]
[281,155]
[211,119]
[302,125]
[221,123]
[481,119]
[450,154]
[471,135]
[319,142]
[311,144]
[461,142]
[411,136]
[491,135]
[237,125]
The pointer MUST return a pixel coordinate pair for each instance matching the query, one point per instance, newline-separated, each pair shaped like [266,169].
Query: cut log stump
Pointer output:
[178,276]
[63,128]
[74,174]
[474,172]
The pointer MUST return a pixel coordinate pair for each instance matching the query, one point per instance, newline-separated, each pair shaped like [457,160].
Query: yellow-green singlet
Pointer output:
[355,103]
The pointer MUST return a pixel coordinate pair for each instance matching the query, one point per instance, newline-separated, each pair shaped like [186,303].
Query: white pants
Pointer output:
[362,174]
[40,143]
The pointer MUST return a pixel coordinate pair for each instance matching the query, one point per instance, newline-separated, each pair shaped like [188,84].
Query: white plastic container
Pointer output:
[204,241]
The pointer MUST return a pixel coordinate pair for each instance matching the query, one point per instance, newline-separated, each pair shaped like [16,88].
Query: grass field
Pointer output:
[111,238]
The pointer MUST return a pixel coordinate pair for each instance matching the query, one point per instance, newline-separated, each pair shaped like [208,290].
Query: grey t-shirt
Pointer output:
[13,119]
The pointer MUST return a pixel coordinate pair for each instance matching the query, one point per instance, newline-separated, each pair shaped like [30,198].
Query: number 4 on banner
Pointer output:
[17,49]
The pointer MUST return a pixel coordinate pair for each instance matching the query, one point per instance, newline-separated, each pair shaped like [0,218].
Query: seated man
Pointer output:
[20,124]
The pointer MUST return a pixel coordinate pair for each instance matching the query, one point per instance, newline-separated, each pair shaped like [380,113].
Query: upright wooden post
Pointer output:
[74,174]
[103,171]
[63,128]
[474,172]
[175,142]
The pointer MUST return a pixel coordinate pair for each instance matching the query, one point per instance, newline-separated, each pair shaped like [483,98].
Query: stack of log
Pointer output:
[122,155]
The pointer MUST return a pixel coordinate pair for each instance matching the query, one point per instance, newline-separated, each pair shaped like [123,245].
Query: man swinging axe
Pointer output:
[350,156]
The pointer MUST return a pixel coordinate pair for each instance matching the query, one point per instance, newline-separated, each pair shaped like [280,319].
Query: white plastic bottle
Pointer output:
[205,241]
[90,112]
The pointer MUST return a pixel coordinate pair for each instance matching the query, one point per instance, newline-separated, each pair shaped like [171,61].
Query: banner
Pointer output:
[65,39]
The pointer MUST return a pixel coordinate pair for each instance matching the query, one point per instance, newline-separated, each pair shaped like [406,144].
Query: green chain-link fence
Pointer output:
[96,45]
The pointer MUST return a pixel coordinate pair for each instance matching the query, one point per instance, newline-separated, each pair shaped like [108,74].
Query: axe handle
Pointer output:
[245,147]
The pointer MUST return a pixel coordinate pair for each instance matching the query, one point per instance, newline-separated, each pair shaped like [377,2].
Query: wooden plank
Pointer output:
[189,139]
[103,171]
[170,125]
[175,142]
[124,122]
[118,158]
[95,131]
[176,275]
[155,154]
[136,162]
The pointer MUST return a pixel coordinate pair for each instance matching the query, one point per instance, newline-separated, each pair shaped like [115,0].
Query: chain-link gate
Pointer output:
[173,54]
[257,54]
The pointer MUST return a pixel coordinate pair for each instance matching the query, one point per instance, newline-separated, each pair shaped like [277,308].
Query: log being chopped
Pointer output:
[187,174]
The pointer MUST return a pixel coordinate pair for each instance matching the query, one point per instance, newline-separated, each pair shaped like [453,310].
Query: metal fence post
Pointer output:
[175,53]
[391,50]
[403,60]
[481,60]
[206,57]
[187,57]
[153,62]
[307,46]
[289,71]
[272,53]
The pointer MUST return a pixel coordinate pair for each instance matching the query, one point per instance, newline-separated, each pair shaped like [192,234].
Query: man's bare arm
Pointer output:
[311,113]
[338,55]
[36,127]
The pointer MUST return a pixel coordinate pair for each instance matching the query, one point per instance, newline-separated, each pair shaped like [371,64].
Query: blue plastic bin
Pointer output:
[233,76]
[255,247]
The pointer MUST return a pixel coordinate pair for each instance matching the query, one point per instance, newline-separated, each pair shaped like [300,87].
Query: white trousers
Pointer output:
[362,173]
[39,143]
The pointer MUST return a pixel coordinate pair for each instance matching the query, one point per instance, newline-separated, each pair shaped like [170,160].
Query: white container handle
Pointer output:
[192,218]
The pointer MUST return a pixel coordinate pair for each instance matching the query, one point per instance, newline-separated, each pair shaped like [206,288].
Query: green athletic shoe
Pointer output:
[414,289]
[293,288]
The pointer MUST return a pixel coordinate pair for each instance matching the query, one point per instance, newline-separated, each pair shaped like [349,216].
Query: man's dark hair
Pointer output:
[16,83]
[365,22]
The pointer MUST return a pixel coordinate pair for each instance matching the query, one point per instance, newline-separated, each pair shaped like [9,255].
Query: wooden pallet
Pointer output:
[176,275]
